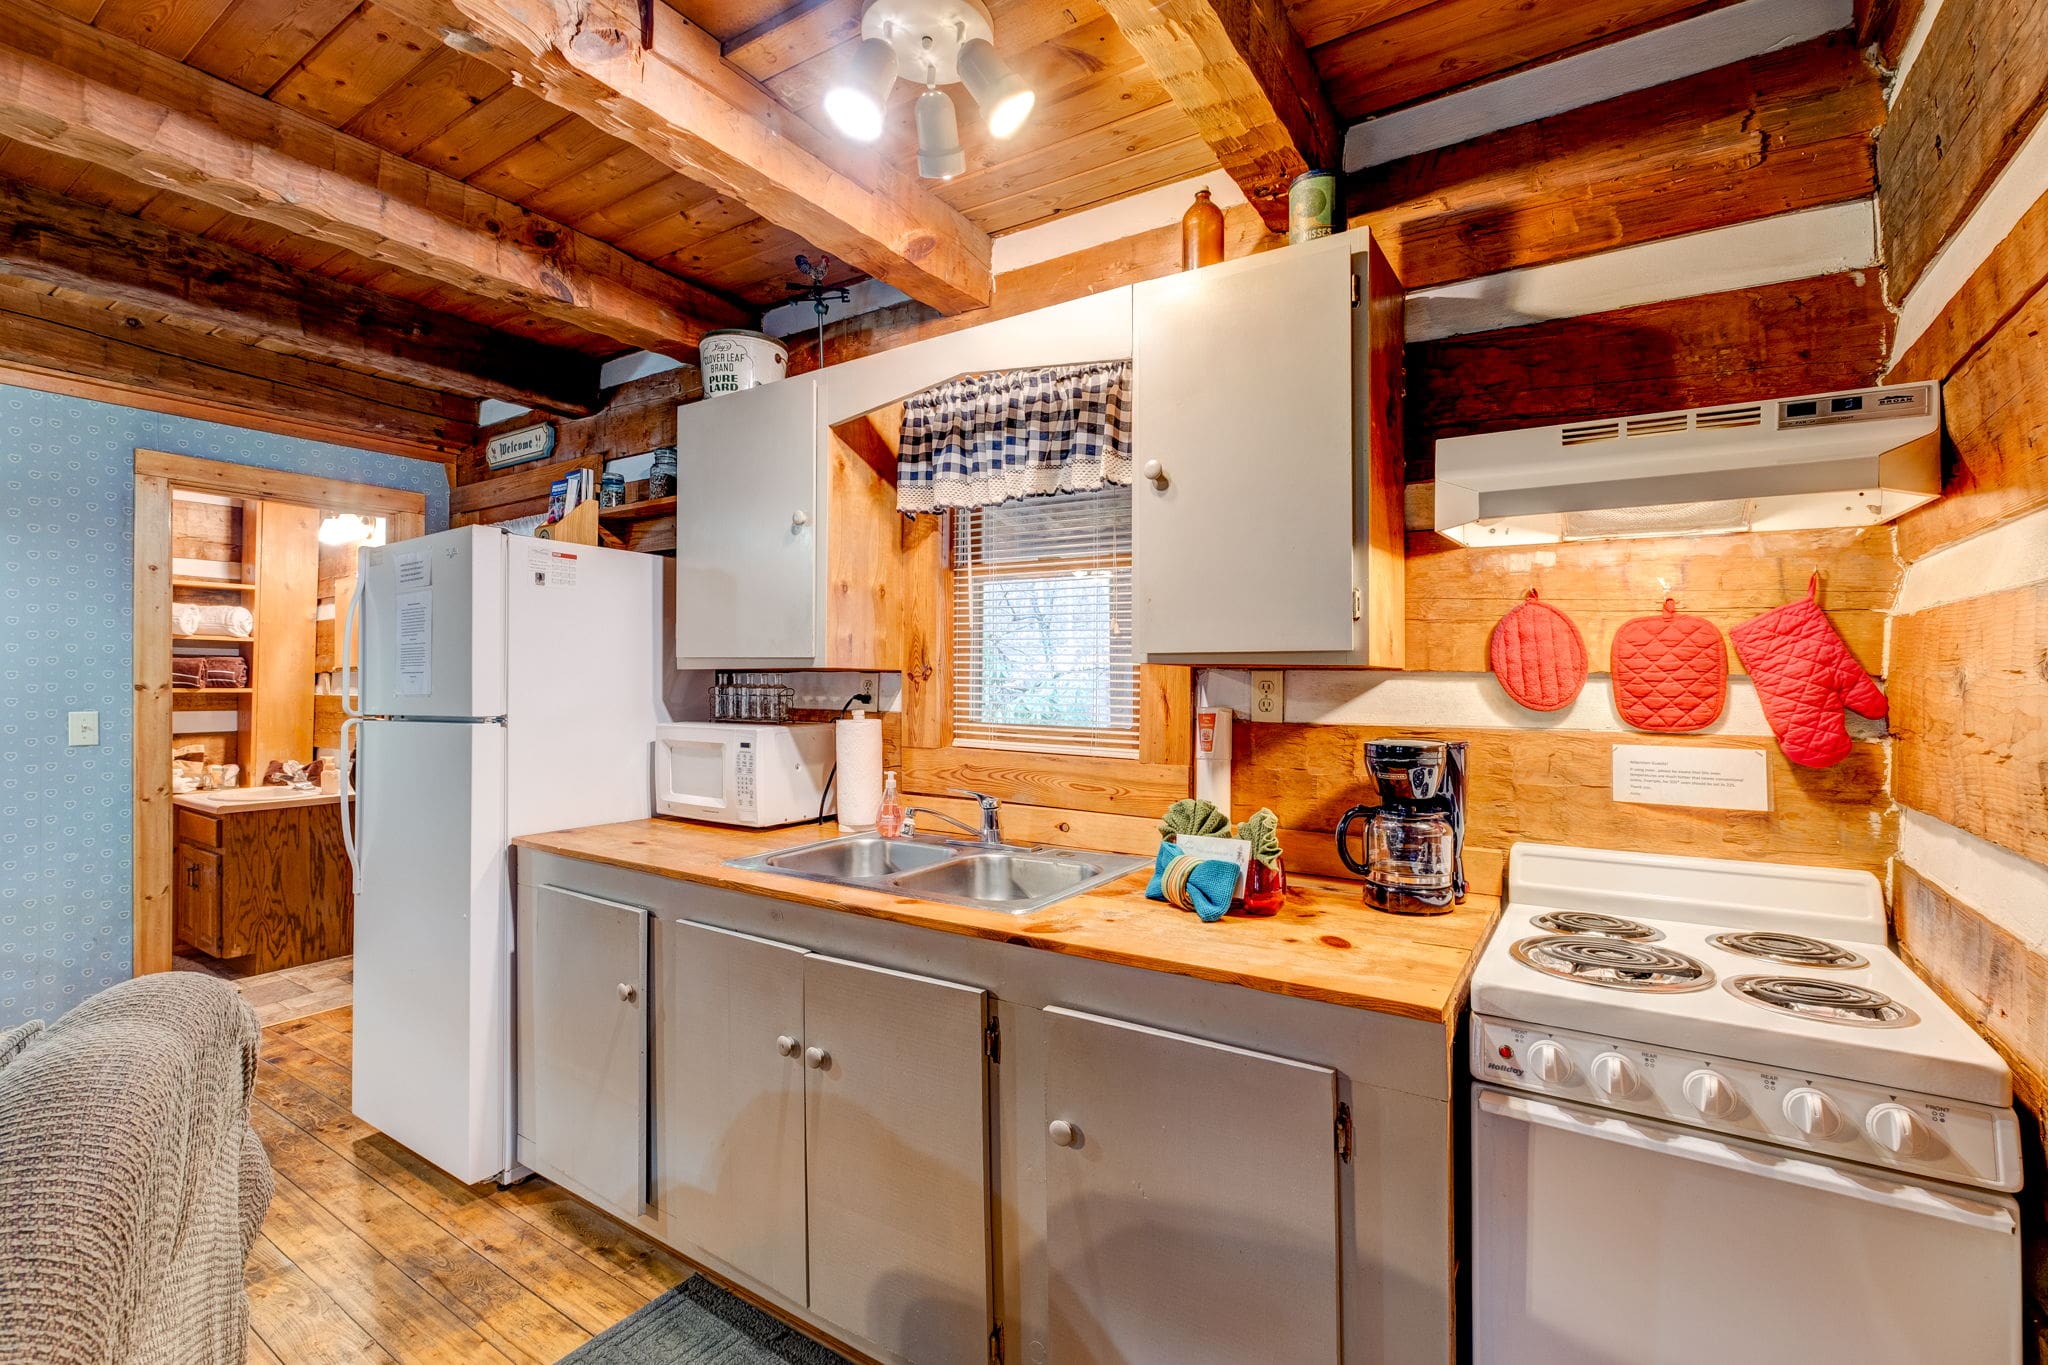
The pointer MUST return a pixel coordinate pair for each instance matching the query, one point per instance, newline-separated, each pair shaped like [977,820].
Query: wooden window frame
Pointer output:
[157,474]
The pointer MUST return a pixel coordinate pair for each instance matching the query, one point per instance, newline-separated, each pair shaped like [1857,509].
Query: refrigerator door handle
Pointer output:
[348,827]
[351,704]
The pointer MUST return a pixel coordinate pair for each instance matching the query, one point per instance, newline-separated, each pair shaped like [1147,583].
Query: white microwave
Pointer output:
[737,774]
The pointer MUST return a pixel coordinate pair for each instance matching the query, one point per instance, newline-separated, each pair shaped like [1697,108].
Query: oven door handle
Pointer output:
[1909,1196]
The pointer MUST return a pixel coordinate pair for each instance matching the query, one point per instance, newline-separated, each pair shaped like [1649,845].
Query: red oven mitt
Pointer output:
[1804,676]
[1538,655]
[1670,671]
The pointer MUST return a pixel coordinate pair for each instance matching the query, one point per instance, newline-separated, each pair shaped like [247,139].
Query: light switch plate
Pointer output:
[85,727]
[1269,694]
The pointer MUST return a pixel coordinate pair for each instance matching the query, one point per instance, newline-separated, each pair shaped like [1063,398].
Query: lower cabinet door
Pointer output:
[195,898]
[1191,1199]
[897,1155]
[728,1056]
[589,1021]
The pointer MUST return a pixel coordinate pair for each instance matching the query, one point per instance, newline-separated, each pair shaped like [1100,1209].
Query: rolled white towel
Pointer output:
[199,618]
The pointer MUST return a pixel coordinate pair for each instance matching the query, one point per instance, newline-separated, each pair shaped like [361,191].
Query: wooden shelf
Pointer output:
[211,585]
[651,510]
[216,639]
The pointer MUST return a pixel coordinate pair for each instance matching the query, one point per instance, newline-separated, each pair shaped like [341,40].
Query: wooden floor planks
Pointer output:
[371,1255]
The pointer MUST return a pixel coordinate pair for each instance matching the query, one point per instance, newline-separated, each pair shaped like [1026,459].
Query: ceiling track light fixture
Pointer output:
[932,43]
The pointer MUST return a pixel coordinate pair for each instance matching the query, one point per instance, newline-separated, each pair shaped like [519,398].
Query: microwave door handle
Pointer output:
[1982,1214]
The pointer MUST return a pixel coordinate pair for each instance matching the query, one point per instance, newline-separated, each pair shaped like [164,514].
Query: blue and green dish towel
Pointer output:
[1206,885]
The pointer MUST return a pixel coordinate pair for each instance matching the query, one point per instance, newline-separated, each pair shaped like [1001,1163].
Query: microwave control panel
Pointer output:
[743,775]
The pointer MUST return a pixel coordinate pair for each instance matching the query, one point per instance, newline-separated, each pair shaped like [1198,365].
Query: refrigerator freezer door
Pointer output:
[585,669]
[433,942]
[433,625]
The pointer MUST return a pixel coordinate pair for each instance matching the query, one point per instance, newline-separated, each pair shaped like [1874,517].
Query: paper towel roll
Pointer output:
[858,740]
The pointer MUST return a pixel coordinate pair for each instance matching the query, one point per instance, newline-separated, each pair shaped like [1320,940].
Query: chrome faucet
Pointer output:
[991,831]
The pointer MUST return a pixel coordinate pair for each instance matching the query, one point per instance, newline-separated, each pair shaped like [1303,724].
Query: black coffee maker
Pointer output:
[1415,837]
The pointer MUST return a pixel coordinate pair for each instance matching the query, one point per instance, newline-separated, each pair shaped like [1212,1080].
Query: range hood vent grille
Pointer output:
[1856,458]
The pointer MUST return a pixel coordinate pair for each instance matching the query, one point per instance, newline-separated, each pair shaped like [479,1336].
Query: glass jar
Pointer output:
[1265,888]
[661,478]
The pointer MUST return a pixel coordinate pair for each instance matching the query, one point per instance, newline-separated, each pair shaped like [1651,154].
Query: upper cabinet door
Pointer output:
[589,1019]
[747,526]
[1244,540]
[897,1125]
[728,1049]
[1191,1199]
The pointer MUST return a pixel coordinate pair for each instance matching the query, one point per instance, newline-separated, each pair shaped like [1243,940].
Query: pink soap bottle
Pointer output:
[889,816]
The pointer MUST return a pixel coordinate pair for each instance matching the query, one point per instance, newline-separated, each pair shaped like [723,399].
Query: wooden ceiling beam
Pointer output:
[71,89]
[146,265]
[81,347]
[1239,71]
[681,102]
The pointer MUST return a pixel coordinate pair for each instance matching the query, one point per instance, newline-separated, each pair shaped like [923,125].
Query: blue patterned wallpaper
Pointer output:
[67,485]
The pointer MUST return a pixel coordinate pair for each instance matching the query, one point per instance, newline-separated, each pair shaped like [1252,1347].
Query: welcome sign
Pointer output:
[517,447]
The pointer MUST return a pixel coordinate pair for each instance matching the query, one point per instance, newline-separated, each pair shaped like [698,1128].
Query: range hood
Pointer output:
[1856,458]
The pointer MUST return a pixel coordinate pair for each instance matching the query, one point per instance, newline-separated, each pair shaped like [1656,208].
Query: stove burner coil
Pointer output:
[1612,963]
[1833,1002]
[1597,925]
[1796,950]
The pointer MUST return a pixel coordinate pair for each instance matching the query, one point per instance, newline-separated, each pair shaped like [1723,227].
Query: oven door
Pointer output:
[1600,1239]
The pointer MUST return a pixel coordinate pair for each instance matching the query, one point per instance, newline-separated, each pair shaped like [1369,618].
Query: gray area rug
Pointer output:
[697,1323]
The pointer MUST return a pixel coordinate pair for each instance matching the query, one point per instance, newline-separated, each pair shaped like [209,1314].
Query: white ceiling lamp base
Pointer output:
[929,43]
[927,35]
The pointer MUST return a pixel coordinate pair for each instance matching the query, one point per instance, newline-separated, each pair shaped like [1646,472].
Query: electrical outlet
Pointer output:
[85,727]
[871,683]
[1269,695]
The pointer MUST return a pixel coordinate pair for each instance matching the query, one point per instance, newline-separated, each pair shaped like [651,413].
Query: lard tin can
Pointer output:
[1312,208]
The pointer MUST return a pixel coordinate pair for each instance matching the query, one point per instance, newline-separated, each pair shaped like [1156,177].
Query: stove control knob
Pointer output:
[1896,1128]
[1550,1062]
[1613,1076]
[1710,1093]
[1813,1113]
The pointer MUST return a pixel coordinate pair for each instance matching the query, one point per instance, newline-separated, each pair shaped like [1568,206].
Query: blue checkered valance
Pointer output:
[993,438]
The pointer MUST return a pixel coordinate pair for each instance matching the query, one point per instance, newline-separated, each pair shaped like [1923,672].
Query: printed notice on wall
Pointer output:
[415,644]
[1674,775]
[415,569]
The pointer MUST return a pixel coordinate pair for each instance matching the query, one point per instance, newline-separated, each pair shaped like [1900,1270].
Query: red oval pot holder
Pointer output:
[1670,672]
[1538,655]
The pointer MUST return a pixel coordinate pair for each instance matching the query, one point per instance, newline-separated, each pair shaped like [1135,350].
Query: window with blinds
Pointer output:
[1042,625]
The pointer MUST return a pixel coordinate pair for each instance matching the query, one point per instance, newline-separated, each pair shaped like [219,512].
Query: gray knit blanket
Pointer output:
[131,1184]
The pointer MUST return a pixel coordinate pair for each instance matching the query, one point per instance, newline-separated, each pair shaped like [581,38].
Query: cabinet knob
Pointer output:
[1154,473]
[786,1045]
[1062,1133]
[627,992]
[800,519]
[816,1058]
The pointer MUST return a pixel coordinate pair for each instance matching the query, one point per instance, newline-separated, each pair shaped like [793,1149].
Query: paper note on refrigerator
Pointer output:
[415,653]
[415,569]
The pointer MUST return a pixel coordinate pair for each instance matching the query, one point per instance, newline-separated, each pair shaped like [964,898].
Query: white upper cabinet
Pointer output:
[747,527]
[1267,508]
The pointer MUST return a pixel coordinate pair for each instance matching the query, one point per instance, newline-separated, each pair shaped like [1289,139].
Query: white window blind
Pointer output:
[1042,625]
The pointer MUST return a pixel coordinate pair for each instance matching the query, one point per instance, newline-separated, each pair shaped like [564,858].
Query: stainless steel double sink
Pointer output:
[1006,878]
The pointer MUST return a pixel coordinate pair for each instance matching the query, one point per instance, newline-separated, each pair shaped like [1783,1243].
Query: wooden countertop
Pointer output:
[221,803]
[1326,945]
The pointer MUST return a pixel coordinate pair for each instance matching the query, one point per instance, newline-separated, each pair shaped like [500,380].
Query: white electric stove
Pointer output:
[1712,1101]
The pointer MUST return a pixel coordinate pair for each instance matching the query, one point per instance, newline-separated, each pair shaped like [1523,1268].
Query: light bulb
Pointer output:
[939,154]
[1004,99]
[856,101]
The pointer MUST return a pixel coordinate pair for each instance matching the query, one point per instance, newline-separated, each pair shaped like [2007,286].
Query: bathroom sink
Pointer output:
[860,858]
[1006,878]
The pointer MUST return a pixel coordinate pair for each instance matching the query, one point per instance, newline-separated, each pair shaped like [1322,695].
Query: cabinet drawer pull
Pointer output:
[816,1058]
[786,1045]
[800,520]
[627,992]
[1062,1133]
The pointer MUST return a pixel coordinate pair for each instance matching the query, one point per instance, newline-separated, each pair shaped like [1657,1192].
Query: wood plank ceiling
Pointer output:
[502,136]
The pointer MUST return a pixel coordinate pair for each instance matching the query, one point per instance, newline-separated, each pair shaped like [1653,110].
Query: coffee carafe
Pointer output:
[1415,837]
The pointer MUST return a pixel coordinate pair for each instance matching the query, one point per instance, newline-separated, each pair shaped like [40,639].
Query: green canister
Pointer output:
[1312,207]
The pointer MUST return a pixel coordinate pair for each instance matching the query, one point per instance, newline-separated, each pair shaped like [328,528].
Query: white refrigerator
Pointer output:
[508,686]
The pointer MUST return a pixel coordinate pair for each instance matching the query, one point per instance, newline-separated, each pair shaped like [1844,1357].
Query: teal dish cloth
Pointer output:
[1203,885]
